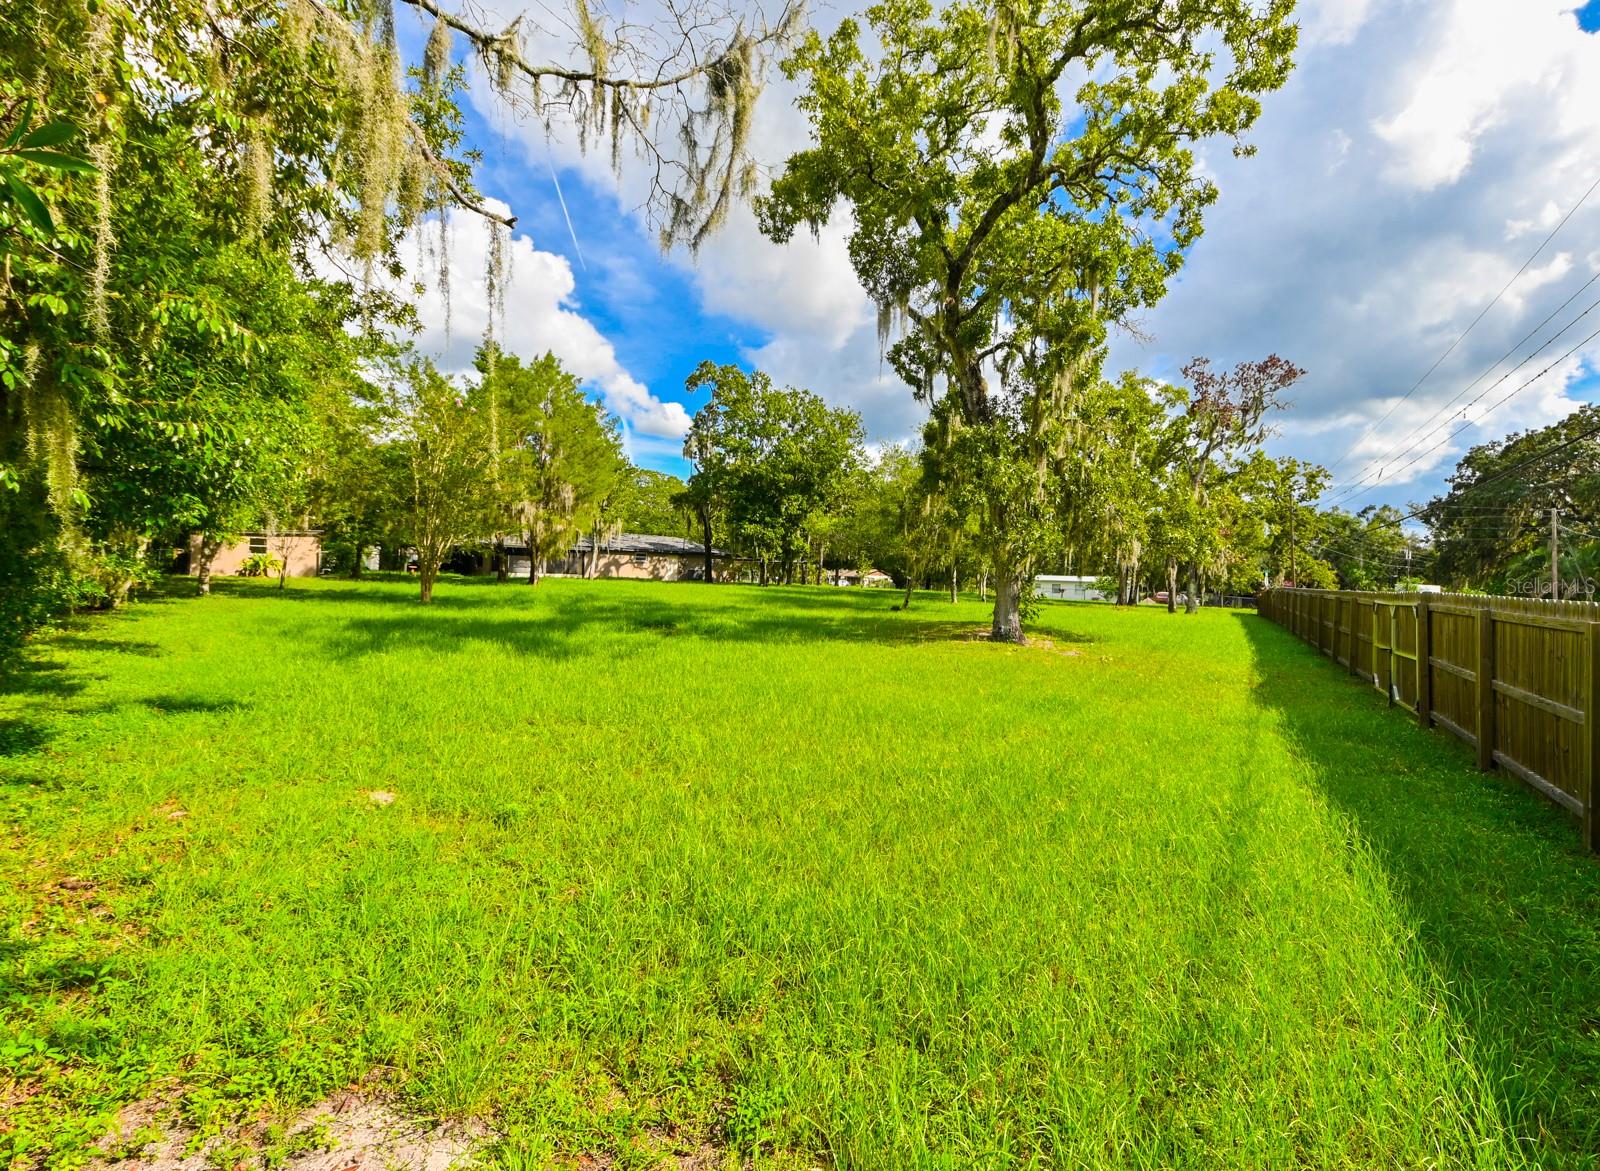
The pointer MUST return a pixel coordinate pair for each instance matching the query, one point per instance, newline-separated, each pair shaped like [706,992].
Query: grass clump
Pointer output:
[778,875]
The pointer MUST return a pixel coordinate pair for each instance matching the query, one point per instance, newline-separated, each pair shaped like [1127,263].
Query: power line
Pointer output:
[1481,314]
[1514,468]
[1498,403]
[1356,489]
[1418,434]
[1584,533]
[1343,546]
[1347,553]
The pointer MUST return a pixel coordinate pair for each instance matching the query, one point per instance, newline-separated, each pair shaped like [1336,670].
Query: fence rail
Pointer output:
[1516,678]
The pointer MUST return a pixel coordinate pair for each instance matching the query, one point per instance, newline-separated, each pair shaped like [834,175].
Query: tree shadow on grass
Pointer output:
[40,692]
[1503,898]
[180,704]
[19,737]
[41,687]
[594,630]
[598,622]
[40,676]
[113,646]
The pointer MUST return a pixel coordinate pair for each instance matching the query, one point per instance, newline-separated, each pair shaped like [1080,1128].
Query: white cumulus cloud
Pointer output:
[542,315]
[1462,131]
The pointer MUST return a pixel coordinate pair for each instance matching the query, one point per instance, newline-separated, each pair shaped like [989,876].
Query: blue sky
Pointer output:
[647,307]
[1415,159]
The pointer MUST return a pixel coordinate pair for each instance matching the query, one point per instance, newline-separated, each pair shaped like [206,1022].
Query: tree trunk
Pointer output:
[209,546]
[1007,626]
[355,566]
[906,605]
[763,578]
[502,563]
[1172,585]
[1191,604]
[533,565]
[983,586]
[705,529]
[426,572]
[954,585]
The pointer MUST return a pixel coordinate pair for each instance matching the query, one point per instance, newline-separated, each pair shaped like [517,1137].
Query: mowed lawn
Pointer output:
[780,874]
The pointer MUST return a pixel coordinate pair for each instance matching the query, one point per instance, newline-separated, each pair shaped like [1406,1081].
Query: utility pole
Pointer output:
[1292,510]
[1555,555]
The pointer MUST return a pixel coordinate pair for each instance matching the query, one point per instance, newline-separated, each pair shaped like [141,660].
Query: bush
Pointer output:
[260,565]
[36,578]
[109,576]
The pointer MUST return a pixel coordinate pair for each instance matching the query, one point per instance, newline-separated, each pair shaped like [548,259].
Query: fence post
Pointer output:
[1424,668]
[1591,728]
[1350,642]
[1394,647]
[1485,687]
[1372,658]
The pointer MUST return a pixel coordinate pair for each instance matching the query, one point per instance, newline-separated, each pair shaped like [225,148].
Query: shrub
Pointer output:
[260,565]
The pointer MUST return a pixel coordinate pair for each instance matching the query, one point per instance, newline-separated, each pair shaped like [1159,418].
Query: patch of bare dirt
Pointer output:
[1033,642]
[354,1131]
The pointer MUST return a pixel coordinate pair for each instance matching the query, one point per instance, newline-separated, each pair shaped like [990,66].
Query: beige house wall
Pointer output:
[637,567]
[647,566]
[302,552]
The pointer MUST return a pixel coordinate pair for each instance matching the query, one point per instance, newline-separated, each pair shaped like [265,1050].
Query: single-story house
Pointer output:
[636,555]
[1067,588]
[871,578]
[301,551]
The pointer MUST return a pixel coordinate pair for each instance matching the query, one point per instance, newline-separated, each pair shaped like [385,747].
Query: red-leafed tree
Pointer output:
[1223,421]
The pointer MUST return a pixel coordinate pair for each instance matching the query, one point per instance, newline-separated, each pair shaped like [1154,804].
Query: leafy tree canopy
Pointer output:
[1005,211]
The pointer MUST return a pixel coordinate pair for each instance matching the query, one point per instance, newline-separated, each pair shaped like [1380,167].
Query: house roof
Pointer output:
[649,543]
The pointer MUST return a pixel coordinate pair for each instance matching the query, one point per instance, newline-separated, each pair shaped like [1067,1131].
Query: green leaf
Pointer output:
[32,206]
[51,134]
[21,127]
[57,161]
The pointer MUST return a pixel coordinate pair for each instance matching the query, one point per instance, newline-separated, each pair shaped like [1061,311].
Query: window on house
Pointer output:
[640,559]
[258,546]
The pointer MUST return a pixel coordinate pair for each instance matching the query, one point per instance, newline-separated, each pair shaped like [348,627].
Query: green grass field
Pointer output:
[782,873]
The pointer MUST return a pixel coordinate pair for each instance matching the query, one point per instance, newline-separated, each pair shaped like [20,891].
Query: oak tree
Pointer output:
[1019,177]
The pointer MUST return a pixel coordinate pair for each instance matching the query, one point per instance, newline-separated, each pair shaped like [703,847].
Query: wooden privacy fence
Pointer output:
[1516,678]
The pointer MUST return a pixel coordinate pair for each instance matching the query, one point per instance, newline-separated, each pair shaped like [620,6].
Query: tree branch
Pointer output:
[497,44]
[470,202]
